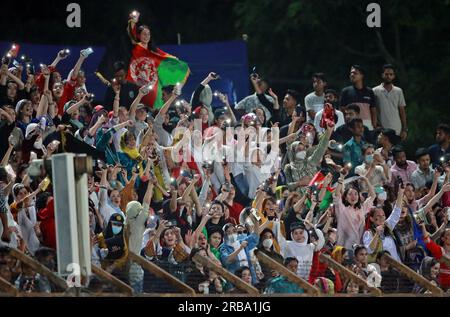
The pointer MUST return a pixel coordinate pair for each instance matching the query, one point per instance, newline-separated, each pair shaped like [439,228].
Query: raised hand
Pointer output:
[213,76]
[243,245]
[45,70]
[62,54]
[116,87]
[272,94]
[124,173]
[223,98]
[380,229]
[177,89]
[188,237]
[144,90]
[134,16]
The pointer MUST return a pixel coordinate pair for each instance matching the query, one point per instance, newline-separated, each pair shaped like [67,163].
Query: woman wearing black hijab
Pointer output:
[113,250]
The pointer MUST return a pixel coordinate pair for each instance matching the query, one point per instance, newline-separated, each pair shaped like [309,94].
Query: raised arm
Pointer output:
[196,200]
[224,99]
[8,117]
[437,197]
[83,55]
[46,97]
[167,104]
[148,194]
[131,28]
[162,226]
[18,81]
[299,204]
[42,107]
[142,92]
[59,57]
[205,186]
[433,188]
[319,152]
[394,217]
[340,187]
[5,159]
[3,74]
[190,187]
[77,105]
[372,194]
[199,229]
[93,130]
[125,124]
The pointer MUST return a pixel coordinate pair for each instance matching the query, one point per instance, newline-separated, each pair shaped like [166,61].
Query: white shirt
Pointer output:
[388,104]
[314,102]
[106,210]
[388,241]
[303,252]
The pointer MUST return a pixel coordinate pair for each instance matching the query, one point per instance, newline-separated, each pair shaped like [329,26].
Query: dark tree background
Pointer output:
[287,40]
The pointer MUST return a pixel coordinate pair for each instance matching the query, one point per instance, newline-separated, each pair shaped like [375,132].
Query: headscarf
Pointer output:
[425,267]
[275,246]
[132,153]
[326,286]
[338,254]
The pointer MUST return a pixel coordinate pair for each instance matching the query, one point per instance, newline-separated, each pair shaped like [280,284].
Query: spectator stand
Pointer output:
[412,275]
[310,289]
[161,273]
[349,274]
[236,281]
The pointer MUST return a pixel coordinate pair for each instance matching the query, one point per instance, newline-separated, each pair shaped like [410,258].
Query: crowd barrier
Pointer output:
[118,288]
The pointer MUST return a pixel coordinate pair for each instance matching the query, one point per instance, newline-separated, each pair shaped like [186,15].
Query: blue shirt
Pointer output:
[353,153]
[436,152]
[226,250]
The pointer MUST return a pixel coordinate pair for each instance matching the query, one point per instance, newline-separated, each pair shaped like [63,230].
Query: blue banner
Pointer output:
[228,59]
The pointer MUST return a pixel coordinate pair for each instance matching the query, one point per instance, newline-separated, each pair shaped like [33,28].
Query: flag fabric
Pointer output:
[316,181]
[155,68]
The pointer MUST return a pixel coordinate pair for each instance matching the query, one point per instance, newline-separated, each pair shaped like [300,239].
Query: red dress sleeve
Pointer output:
[68,93]
[435,249]
[40,79]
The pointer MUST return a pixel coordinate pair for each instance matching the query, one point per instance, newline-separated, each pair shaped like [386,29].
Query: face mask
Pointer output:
[369,158]
[267,243]
[310,138]
[116,229]
[300,155]
[232,238]
[241,236]
[382,196]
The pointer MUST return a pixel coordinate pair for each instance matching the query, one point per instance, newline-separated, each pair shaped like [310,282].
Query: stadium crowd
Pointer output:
[284,175]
